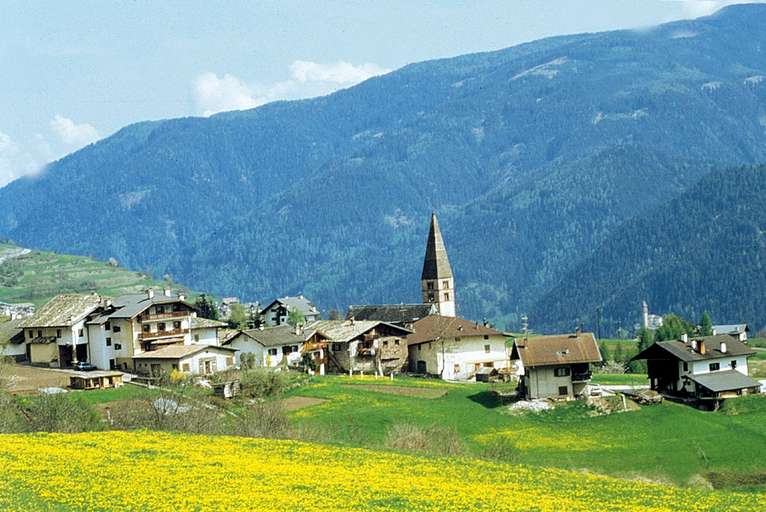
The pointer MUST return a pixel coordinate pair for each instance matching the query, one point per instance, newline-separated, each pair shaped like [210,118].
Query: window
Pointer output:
[161,326]
[229,361]
[185,367]
[563,390]
[272,351]
[733,364]
[385,343]
[58,333]
[396,341]
[456,369]
[419,348]
[686,367]
[196,338]
[116,328]
[561,371]
[714,367]
[337,347]
[80,334]
[486,336]
[457,338]
[109,342]
[430,285]
[445,285]
[117,346]
[145,327]
[429,345]
[176,325]
[487,349]
[174,366]
[446,295]
[159,309]
[107,326]
[31,334]
[39,334]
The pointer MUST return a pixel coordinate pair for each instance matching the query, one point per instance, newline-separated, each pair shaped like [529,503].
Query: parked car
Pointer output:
[83,366]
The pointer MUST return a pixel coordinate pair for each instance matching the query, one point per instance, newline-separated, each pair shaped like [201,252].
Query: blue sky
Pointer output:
[74,72]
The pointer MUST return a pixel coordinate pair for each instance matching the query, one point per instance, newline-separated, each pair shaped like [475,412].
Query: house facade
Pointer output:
[274,346]
[555,366]
[367,346]
[278,311]
[705,368]
[455,348]
[193,359]
[739,331]
[12,340]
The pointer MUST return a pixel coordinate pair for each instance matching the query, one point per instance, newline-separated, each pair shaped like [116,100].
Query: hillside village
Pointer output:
[150,336]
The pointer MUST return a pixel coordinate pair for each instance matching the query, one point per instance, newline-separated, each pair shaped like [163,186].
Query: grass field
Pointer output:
[38,276]
[174,472]
[668,442]
[626,379]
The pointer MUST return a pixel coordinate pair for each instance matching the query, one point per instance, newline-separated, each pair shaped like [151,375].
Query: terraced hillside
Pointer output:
[34,276]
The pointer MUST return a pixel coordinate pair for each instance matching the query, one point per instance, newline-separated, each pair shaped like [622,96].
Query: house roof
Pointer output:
[64,310]
[346,330]
[130,306]
[299,303]
[206,323]
[434,327]
[557,349]
[685,351]
[730,328]
[280,335]
[179,351]
[391,313]
[11,332]
[727,380]
[436,263]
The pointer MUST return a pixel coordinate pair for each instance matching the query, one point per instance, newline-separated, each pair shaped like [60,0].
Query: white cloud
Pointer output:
[697,8]
[339,72]
[17,161]
[73,134]
[214,94]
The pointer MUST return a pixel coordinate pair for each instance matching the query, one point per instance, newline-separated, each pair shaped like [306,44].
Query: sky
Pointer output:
[75,72]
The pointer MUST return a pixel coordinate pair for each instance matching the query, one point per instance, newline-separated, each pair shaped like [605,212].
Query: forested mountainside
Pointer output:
[703,251]
[534,157]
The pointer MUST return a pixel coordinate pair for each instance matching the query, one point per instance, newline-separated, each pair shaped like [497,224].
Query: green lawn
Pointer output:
[667,442]
[102,396]
[628,379]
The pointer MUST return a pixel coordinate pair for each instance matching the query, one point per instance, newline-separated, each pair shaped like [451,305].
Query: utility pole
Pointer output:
[598,323]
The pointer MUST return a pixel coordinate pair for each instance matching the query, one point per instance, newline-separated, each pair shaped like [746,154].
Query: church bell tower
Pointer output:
[436,281]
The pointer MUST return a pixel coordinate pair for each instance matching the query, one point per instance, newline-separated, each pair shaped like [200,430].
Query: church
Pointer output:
[437,286]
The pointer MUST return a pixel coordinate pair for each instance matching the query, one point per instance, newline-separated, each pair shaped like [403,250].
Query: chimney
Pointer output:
[166,292]
[181,297]
[701,347]
[723,347]
[150,293]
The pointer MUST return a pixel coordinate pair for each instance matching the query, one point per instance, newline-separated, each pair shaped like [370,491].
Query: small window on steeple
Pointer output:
[446,296]
[430,285]
[445,285]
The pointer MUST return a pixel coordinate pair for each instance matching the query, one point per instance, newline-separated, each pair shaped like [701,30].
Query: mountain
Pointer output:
[533,156]
[36,277]
[703,251]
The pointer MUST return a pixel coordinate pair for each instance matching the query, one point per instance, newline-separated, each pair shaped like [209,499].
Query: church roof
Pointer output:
[391,313]
[436,263]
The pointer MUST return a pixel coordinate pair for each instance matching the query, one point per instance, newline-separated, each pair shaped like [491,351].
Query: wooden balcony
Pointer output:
[164,316]
[581,376]
[162,334]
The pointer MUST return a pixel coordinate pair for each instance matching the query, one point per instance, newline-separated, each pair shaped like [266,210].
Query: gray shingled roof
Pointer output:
[346,330]
[280,335]
[179,351]
[64,310]
[203,323]
[299,303]
[730,328]
[685,352]
[436,263]
[728,380]
[11,332]
[391,313]
[129,306]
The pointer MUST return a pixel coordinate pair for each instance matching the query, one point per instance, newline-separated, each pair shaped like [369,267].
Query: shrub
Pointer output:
[434,439]
[58,413]
[262,383]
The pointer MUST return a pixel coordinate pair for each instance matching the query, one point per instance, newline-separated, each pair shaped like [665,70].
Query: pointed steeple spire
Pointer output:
[436,263]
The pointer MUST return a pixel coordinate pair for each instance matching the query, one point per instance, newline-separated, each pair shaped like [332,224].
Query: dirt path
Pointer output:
[28,378]
[401,390]
[300,402]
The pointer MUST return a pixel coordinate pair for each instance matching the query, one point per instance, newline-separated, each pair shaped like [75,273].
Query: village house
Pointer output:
[208,332]
[12,340]
[555,366]
[707,368]
[16,311]
[277,312]
[194,359]
[403,315]
[56,334]
[367,346]
[737,330]
[274,346]
[455,348]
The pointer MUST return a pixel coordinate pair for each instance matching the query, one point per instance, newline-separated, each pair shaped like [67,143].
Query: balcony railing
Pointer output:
[581,376]
[148,317]
[161,334]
